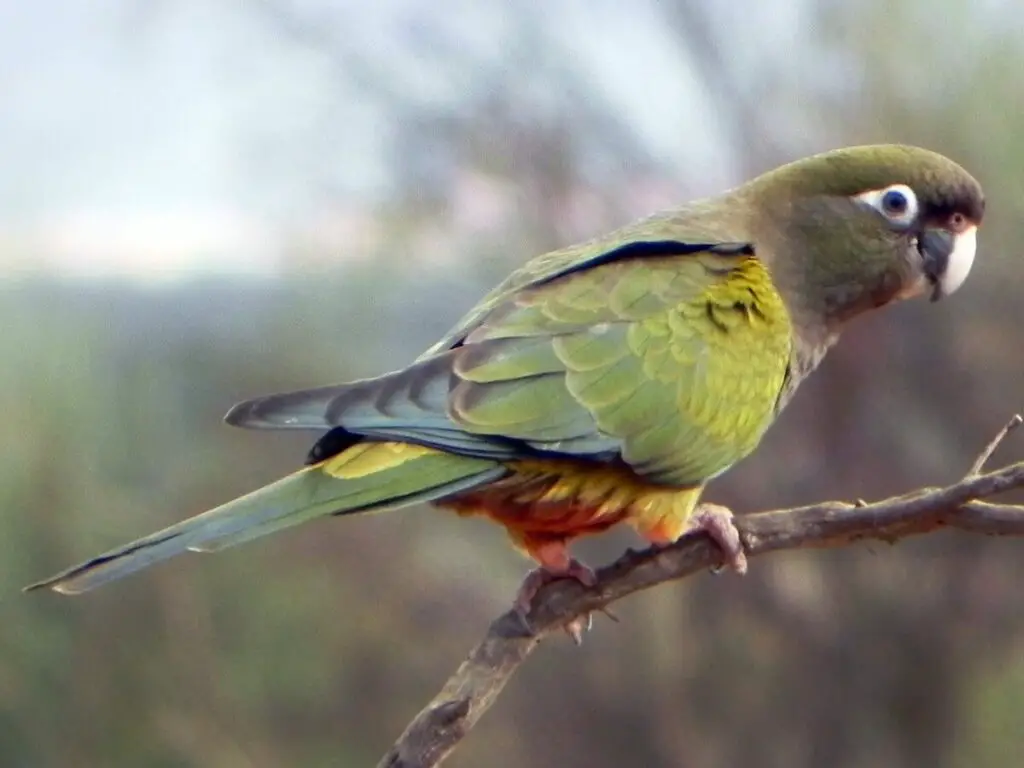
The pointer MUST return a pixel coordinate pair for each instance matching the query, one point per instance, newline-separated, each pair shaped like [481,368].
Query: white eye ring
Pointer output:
[897,203]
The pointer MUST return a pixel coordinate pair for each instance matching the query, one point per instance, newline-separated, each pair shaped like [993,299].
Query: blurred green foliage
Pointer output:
[315,647]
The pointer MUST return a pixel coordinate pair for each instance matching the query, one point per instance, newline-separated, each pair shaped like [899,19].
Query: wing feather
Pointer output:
[672,362]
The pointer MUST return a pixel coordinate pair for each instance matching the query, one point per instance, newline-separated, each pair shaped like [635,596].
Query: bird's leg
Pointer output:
[555,563]
[717,521]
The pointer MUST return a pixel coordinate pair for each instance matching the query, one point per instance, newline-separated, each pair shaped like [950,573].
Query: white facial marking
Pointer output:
[897,203]
[960,260]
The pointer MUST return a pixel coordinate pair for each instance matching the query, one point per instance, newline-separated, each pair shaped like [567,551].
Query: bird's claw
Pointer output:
[717,521]
[538,578]
[578,626]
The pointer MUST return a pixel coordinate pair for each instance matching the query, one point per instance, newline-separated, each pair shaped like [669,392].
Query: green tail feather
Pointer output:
[299,497]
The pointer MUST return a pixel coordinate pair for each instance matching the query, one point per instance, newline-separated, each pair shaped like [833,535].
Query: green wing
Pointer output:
[669,355]
[674,232]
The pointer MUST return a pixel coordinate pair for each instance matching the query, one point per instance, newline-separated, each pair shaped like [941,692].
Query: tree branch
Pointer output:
[476,684]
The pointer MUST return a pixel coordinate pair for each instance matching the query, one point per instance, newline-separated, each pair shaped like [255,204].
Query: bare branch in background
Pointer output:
[439,728]
[983,458]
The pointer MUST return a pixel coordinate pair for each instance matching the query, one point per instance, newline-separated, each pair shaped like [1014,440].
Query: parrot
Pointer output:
[611,381]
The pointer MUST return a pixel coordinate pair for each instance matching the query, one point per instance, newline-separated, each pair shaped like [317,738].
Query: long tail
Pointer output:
[366,477]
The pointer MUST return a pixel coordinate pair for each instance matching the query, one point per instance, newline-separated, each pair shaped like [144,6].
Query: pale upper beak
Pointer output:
[947,257]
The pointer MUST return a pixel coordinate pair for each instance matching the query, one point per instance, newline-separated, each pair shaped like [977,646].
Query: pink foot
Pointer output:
[571,568]
[539,577]
[717,521]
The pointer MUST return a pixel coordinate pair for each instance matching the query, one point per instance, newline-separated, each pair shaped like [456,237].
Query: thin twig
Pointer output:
[476,684]
[985,455]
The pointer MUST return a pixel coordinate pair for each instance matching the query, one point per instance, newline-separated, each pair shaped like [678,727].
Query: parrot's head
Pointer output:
[860,227]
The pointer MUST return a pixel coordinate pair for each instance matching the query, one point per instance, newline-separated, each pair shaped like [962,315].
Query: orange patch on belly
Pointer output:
[562,519]
[547,502]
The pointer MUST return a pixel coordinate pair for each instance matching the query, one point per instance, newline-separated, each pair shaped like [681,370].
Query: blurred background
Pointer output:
[203,201]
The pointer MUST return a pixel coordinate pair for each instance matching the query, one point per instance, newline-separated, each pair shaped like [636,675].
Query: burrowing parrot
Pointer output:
[610,381]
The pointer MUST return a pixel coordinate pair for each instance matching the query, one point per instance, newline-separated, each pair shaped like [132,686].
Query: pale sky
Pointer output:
[140,137]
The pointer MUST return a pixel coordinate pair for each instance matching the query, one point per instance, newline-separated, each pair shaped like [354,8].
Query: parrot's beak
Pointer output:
[947,257]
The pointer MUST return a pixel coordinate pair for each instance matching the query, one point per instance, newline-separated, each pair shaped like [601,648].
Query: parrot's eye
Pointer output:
[897,203]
